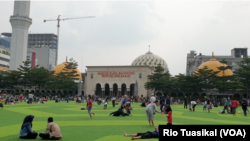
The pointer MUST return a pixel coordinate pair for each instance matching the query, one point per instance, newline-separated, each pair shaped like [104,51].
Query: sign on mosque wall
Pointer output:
[116,74]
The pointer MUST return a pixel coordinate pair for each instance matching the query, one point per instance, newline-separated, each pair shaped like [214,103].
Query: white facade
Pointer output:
[20,23]
[118,80]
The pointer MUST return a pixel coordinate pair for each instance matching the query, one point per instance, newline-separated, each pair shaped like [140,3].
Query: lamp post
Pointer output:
[136,89]
[80,87]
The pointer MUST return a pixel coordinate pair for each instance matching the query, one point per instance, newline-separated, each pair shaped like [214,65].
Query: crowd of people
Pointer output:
[151,105]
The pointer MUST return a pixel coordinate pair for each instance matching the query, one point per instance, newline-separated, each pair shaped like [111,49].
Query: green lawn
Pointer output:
[76,125]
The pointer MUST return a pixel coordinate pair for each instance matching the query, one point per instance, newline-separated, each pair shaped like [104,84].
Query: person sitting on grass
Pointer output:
[119,112]
[26,131]
[147,135]
[143,104]
[52,131]
[128,110]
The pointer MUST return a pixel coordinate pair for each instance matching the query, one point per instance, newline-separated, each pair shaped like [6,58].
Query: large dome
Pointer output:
[59,68]
[150,59]
[214,64]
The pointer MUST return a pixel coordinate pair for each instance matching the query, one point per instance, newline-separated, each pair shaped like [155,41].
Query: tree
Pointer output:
[207,78]
[61,82]
[39,76]
[243,75]
[160,81]
[24,74]
[221,82]
[188,84]
[70,68]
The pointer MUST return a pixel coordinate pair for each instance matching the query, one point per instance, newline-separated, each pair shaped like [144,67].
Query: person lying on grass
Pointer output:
[119,112]
[147,135]
[52,131]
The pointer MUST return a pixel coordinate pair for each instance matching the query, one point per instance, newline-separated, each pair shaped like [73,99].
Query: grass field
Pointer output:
[76,125]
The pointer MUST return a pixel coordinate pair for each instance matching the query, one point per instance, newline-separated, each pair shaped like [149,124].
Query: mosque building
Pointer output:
[121,80]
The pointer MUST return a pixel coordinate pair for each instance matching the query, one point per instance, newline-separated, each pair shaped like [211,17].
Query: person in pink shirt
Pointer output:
[234,105]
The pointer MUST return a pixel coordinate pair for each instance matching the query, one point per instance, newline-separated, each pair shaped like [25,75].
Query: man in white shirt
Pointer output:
[152,98]
[193,104]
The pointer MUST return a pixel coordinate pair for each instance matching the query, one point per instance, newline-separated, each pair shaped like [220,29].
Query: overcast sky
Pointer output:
[122,31]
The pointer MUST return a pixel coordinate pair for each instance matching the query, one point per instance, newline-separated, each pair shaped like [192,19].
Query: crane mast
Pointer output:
[58,27]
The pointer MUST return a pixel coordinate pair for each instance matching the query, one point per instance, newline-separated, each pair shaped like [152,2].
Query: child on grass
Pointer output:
[169,116]
[204,105]
[105,105]
[190,108]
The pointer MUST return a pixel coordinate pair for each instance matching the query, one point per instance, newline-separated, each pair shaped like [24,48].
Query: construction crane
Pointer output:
[58,26]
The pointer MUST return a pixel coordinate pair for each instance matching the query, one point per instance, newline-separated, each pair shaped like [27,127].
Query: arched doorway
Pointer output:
[124,89]
[115,89]
[98,89]
[132,89]
[107,90]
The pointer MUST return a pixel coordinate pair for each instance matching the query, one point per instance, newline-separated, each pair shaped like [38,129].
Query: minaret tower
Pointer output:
[20,23]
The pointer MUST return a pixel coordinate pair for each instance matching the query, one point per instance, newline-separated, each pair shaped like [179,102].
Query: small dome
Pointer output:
[59,68]
[151,60]
[3,69]
[214,64]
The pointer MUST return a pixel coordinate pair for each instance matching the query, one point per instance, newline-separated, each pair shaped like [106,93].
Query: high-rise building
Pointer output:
[234,60]
[20,23]
[42,40]
[4,57]
[46,57]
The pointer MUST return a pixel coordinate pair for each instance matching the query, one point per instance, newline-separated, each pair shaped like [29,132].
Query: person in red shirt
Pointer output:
[169,116]
[234,105]
[21,98]
[89,106]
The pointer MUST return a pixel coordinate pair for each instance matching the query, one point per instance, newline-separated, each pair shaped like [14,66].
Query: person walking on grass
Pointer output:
[226,106]
[234,105]
[244,107]
[185,102]
[113,100]
[89,106]
[150,109]
[208,104]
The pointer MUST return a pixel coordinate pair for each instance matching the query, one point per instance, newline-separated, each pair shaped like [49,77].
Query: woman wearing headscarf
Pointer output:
[150,110]
[26,131]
